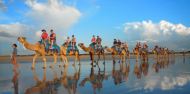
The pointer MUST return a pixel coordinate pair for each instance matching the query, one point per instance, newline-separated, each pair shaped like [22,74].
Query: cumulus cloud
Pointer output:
[7,32]
[163,33]
[53,15]
[3,6]
[38,35]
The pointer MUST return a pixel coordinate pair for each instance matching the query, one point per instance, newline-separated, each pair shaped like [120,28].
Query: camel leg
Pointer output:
[44,61]
[124,57]
[113,57]
[103,57]
[63,58]
[98,57]
[37,54]
[55,59]
[75,59]
[65,65]
[79,59]
[129,57]
[92,57]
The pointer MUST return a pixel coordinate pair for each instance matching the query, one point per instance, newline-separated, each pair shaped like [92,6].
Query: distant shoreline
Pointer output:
[29,59]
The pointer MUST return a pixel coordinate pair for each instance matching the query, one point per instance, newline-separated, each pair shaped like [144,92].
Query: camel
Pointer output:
[63,54]
[65,80]
[92,52]
[142,54]
[95,79]
[160,54]
[36,47]
[113,51]
[172,53]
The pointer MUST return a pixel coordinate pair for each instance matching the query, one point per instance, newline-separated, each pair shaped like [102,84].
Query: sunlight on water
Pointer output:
[152,76]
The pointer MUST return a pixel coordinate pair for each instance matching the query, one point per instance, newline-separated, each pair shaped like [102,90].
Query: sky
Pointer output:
[153,22]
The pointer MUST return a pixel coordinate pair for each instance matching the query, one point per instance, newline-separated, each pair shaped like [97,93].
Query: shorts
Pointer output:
[15,58]
[44,41]
[98,43]
[94,43]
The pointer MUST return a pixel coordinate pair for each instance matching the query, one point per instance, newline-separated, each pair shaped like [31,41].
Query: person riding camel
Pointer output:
[125,46]
[115,44]
[67,41]
[119,44]
[140,46]
[73,41]
[99,40]
[44,37]
[52,38]
[94,41]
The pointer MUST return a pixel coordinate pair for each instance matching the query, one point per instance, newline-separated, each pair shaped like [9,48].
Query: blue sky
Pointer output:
[162,22]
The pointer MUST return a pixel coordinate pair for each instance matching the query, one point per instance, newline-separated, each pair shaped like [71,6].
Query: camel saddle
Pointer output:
[97,48]
[55,47]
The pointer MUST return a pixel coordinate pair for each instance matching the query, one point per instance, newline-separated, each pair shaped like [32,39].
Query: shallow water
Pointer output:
[152,76]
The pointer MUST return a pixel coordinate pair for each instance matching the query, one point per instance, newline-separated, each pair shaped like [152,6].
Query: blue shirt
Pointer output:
[14,50]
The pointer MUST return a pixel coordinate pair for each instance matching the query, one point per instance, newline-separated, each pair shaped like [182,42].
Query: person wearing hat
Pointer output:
[52,38]
[44,37]
[94,41]
[99,40]
[73,41]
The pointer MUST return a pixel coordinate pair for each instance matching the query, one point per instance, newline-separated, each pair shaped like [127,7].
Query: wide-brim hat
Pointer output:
[43,30]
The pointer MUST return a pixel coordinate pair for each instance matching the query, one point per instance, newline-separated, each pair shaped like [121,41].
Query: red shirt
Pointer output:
[44,35]
[94,40]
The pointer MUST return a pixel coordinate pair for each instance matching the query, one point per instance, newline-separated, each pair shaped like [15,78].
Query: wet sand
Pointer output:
[25,59]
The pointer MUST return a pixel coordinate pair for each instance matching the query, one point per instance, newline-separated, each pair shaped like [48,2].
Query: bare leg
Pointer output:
[44,61]
[37,54]
[55,59]
[75,58]
[51,43]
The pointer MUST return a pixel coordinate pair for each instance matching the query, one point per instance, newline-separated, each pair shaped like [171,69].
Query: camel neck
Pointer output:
[85,49]
[32,47]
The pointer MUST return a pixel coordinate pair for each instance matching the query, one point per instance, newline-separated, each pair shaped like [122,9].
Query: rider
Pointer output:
[52,38]
[94,41]
[44,37]
[73,41]
[125,46]
[139,46]
[67,41]
[99,40]
[115,44]
[119,44]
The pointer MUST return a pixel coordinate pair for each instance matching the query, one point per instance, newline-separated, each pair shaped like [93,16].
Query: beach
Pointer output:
[25,59]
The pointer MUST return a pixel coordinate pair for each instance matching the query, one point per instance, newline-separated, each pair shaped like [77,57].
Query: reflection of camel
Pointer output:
[161,64]
[44,86]
[121,74]
[137,70]
[40,86]
[38,50]
[92,52]
[15,82]
[63,55]
[70,82]
[144,67]
[94,79]
[113,51]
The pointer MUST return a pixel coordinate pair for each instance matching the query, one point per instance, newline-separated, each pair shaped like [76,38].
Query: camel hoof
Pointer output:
[32,67]
[44,67]
[104,63]
[94,66]
[73,64]
[79,64]
[65,65]
[91,64]
[59,65]
[50,66]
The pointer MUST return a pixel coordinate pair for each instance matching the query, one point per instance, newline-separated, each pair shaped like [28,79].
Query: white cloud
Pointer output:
[9,32]
[64,37]
[53,15]
[3,6]
[38,35]
[163,33]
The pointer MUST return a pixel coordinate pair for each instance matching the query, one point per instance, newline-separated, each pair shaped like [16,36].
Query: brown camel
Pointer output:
[142,54]
[157,54]
[92,52]
[172,54]
[63,54]
[113,51]
[36,47]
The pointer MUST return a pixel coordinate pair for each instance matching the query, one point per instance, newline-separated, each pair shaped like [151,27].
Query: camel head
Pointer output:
[105,47]
[133,48]
[21,39]
[81,44]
